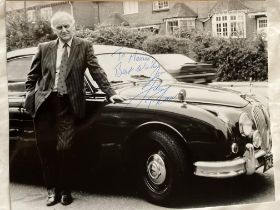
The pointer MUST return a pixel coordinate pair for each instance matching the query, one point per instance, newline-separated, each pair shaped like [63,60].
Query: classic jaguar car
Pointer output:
[184,69]
[166,130]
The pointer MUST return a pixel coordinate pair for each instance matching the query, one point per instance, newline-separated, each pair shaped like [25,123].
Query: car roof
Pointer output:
[98,49]
[21,52]
[166,54]
[102,49]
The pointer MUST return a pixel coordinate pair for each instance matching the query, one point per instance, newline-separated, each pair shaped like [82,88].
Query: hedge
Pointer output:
[22,34]
[235,59]
[115,35]
[159,44]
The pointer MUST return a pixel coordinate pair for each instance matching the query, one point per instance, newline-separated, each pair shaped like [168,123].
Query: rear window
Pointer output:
[18,68]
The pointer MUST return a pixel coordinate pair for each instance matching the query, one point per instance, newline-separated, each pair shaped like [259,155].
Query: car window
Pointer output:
[128,66]
[18,68]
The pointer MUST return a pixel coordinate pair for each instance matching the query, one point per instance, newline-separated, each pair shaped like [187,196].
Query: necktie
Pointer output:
[61,85]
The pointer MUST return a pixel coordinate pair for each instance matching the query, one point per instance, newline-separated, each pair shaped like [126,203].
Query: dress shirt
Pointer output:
[60,50]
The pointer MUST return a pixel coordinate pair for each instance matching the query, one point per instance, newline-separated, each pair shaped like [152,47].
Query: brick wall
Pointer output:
[208,26]
[251,27]
[256,4]
[90,13]
[61,7]
[85,13]
[107,8]
[199,25]
[146,15]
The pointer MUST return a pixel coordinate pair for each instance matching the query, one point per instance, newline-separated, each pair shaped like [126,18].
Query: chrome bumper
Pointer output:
[247,164]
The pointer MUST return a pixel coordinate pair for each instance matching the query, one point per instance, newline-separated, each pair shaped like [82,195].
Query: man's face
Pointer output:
[63,28]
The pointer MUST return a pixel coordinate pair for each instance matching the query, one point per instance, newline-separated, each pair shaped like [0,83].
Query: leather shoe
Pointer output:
[53,197]
[66,199]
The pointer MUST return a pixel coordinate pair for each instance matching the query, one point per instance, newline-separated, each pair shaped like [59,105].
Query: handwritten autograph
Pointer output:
[142,63]
[153,92]
[154,89]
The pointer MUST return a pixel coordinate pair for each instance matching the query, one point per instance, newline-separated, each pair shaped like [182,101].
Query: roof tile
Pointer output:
[181,10]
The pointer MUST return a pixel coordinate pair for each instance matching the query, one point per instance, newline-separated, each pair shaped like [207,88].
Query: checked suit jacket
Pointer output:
[41,77]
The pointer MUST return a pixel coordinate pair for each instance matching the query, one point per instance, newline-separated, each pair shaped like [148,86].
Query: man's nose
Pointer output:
[63,29]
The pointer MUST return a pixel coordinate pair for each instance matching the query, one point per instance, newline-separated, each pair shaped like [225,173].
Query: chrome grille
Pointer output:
[262,126]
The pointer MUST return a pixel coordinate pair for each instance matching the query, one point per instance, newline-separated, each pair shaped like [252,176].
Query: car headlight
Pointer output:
[245,125]
[257,139]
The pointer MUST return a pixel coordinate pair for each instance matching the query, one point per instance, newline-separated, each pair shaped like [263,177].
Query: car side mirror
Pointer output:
[182,95]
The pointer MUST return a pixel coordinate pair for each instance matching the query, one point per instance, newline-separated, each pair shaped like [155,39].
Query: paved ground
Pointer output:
[108,188]
[121,196]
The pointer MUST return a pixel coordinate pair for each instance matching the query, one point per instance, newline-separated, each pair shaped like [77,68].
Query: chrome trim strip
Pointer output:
[225,169]
[261,124]
[195,75]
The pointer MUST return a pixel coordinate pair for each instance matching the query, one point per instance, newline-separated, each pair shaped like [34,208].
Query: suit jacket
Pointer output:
[40,79]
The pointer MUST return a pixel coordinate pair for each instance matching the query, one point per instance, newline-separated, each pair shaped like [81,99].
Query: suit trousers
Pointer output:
[54,129]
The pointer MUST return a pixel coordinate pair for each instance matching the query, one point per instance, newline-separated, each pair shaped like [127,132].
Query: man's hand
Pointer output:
[117,99]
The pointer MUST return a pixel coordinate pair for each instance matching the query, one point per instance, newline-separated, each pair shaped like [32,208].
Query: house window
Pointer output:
[229,25]
[179,23]
[160,5]
[262,23]
[172,25]
[31,17]
[187,24]
[130,7]
[46,13]
[149,28]
[262,26]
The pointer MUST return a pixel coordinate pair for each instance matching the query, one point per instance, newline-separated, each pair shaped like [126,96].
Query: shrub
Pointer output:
[115,35]
[235,59]
[241,64]
[22,34]
[165,44]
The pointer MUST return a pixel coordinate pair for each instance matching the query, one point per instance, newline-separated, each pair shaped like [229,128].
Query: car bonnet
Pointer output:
[194,94]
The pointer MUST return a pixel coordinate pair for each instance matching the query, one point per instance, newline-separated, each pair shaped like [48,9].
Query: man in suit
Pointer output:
[55,99]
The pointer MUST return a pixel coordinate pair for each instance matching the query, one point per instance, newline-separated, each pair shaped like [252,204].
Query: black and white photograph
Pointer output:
[138,104]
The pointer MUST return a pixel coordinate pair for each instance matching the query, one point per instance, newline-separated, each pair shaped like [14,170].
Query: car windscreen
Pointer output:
[129,66]
[18,68]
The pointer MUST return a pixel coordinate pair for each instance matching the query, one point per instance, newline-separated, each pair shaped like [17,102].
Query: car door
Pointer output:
[102,121]
[21,132]
[17,69]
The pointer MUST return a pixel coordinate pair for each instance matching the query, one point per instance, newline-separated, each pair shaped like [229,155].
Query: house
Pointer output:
[238,19]
[222,18]
[35,10]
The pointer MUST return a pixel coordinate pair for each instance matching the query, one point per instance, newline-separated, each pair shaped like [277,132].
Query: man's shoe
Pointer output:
[66,198]
[53,197]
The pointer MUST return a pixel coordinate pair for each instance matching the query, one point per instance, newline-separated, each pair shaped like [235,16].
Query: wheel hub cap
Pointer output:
[156,169]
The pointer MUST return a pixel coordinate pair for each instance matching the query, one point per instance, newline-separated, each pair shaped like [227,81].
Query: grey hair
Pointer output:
[61,14]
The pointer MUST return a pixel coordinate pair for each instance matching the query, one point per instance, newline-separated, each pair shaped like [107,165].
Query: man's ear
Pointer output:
[54,30]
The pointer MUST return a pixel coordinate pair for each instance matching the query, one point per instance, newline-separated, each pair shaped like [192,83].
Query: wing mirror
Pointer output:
[182,95]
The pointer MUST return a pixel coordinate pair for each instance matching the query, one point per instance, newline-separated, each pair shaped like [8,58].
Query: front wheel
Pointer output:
[162,165]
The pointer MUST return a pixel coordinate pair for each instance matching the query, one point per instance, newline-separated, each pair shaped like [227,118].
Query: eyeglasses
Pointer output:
[62,26]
